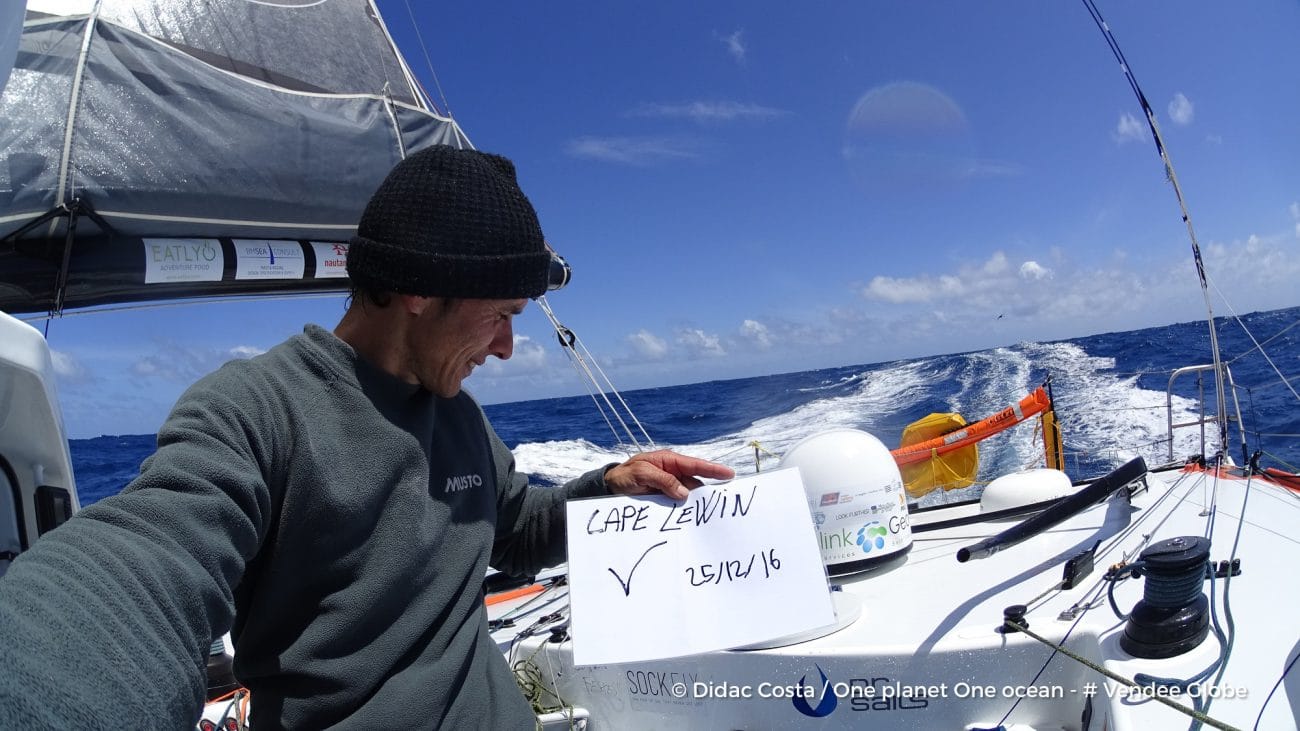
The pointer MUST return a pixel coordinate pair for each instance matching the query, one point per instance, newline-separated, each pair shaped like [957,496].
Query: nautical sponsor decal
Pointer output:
[871,537]
[838,539]
[862,694]
[829,498]
[661,690]
[899,523]
[458,483]
[267,259]
[660,683]
[331,260]
[182,260]
[825,704]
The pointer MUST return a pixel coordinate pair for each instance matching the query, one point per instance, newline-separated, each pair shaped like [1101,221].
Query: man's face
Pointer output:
[452,337]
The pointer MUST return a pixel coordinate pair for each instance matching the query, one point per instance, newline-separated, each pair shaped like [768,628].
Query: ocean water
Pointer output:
[1109,390]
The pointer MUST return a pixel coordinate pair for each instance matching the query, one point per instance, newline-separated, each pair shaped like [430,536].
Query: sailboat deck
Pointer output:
[927,651]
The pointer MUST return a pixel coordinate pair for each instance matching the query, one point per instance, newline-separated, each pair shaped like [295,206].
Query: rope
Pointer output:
[1199,716]
[533,684]
[757,459]
[529,678]
[1276,685]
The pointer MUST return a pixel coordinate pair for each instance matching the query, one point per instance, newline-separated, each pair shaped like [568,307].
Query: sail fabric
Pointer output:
[230,129]
[11,23]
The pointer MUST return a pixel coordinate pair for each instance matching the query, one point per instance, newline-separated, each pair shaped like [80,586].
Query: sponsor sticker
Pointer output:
[268,259]
[182,260]
[331,260]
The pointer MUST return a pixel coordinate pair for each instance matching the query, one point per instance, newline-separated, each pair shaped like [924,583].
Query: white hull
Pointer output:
[928,633]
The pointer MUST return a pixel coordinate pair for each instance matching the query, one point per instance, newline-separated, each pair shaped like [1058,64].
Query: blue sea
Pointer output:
[1109,391]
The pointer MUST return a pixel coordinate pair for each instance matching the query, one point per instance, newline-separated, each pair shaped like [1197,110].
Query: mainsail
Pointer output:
[160,149]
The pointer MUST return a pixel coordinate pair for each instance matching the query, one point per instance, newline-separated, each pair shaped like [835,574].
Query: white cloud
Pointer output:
[1052,297]
[757,333]
[528,357]
[709,111]
[647,345]
[180,363]
[916,289]
[1129,129]
[1034,270]
[993,284]
[528,354]
[1181,110]
[68,369]
[997,264]
[633,150]
[735,45]
[697,342]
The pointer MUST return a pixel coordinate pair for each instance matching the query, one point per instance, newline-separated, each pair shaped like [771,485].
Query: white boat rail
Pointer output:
[1203,419]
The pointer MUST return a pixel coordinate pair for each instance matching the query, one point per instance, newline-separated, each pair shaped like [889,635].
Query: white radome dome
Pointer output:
[855,494]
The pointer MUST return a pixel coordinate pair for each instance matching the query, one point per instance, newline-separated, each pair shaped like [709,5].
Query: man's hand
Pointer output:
[663,471]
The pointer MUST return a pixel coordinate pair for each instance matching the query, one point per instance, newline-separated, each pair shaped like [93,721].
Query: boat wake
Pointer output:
[1098,408]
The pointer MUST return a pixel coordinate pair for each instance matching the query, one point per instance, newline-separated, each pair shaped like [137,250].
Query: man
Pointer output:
[338,499]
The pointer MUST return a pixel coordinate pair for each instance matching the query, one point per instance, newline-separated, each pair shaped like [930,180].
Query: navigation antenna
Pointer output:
[1221,405]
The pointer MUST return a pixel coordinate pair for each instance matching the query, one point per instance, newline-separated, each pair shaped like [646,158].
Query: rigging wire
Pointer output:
[600,387]
[1085,603]
[428,61]
[1198,712]
[1258,346]
[1221,404]
[1046,663]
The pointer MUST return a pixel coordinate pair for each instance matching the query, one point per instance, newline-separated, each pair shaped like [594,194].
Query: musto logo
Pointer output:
[824,706]
[871,537]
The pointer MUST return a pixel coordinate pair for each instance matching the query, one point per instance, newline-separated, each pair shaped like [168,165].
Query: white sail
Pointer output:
[127,121]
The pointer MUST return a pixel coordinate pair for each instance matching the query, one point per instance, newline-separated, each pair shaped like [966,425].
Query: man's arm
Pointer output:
[107,619]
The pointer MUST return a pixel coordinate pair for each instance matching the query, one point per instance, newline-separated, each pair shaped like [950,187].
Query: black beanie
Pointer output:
[448,222]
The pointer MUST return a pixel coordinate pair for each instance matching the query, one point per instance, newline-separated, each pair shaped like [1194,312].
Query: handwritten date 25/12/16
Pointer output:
[716,572]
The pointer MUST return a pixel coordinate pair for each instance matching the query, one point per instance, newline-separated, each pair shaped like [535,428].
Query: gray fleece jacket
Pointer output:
[340,518]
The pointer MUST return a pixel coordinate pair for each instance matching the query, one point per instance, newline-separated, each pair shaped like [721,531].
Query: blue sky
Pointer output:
[748,188]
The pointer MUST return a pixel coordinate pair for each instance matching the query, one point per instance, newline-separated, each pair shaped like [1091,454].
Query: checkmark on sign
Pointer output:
[627,585]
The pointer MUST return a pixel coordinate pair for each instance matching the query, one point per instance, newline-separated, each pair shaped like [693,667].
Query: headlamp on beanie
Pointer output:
[560,272]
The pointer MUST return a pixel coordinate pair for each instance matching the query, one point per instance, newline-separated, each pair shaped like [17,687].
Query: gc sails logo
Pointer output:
[824,706]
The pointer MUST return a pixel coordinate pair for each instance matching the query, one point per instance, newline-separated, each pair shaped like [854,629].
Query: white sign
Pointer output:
[267,259]
[331,260]
[182,260]
[732,565]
